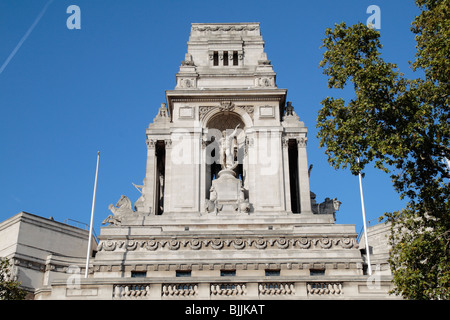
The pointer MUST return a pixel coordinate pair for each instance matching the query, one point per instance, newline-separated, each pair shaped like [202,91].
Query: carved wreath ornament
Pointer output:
[219,244]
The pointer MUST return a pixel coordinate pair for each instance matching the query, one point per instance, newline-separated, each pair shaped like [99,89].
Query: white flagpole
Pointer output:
[88,255]
[365,227]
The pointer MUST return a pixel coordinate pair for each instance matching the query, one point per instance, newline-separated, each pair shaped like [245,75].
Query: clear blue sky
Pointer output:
[67,93]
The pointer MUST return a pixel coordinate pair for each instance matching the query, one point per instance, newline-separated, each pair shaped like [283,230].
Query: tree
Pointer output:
[9,289]
[402,126]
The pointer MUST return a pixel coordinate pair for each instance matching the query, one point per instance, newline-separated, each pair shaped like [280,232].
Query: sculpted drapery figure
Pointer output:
[227,146]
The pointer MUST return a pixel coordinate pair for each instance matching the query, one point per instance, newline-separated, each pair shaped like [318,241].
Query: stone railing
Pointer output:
[131,291]
[324,288]
[276,288]
[228,289]
[219,290]
[153,289]
[179,290]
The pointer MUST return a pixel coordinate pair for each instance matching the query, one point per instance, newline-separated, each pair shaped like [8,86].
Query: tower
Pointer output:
[226,81]
[225,207]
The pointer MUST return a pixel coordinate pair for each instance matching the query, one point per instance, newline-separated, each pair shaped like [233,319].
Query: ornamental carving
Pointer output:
[225,106]
[225,28]
[301,243]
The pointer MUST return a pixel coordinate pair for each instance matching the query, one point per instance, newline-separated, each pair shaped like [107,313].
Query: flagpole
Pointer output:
[364,224]
[88,255]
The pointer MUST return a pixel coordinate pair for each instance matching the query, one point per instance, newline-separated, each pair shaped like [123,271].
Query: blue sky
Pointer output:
[67,93]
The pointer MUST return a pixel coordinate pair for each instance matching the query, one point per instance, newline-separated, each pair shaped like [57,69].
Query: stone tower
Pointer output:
[225,207]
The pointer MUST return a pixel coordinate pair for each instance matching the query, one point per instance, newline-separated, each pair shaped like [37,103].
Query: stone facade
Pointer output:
[225,209]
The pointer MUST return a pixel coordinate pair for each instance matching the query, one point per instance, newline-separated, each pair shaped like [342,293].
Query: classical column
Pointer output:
[168,176]
[305,197]
[204,175]
[150,178]
[287,188]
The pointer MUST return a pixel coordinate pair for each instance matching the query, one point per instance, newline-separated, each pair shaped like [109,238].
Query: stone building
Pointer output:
[225,208]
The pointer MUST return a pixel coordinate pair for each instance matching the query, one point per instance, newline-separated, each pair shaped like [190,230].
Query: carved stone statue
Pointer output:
[289,109]
[329,206]
[122,208]
[211,205]
[139,204]
[228,144]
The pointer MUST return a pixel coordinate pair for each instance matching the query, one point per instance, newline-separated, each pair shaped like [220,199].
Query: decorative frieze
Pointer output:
[226,244]
[224,28]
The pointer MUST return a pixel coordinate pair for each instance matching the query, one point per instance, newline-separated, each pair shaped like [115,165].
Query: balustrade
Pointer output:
[324,288]
[276,288]
[180,289]
[228,289]
[125,291]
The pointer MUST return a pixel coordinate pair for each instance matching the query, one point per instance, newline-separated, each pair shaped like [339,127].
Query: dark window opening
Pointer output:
[160,176]
[225,58]
[235,58]
[216,58]
[293,175]
[272,273]
[138,274]
[183,273]
[227,273]
[317,272]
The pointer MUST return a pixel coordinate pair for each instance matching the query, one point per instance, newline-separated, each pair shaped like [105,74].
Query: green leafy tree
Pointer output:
[9,289]
[402,126]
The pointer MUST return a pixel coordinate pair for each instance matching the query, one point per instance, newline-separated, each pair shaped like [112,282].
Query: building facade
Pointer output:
[225,209]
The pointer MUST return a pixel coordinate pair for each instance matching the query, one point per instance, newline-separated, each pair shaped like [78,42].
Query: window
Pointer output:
[235,58]
[272,273]
[225,58]
[316,272]
[227,273]
[216,58]
[138,274]
[182,273]
[293,175]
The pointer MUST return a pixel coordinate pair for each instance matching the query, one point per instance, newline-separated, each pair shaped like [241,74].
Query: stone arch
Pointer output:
[225,120]
[237,112]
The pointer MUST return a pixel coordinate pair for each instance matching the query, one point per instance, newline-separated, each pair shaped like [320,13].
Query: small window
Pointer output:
[216,58]
[317,272]
[235,58]
[138,274]
[183,273]
[272,273]
[225,58]
[227,273]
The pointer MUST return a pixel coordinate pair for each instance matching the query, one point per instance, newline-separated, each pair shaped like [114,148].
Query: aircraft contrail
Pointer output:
[25,36]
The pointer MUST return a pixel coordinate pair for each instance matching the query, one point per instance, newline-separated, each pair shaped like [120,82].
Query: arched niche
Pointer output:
[225,120]
[219,124]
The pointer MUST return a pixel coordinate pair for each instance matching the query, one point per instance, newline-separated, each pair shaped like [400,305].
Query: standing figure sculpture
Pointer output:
[227,149]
